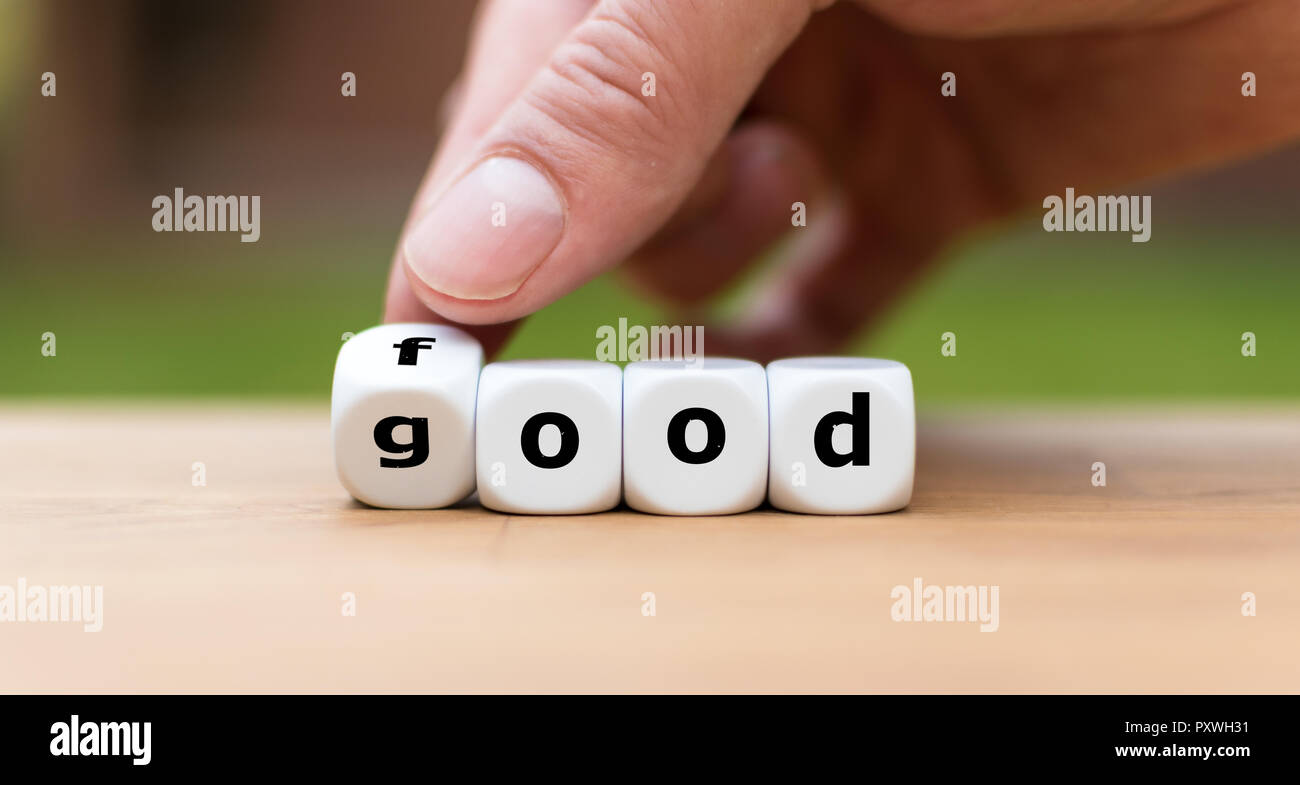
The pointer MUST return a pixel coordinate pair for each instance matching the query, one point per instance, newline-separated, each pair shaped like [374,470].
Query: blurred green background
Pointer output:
[153,97]
[1035,317]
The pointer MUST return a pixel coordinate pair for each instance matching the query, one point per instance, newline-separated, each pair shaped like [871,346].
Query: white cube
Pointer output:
[403,415]
[694,436]
[550,436]
[843,435]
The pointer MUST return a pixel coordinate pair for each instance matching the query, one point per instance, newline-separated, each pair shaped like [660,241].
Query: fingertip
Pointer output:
[403,304]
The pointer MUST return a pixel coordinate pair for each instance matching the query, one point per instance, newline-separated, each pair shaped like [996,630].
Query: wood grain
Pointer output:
[237,586]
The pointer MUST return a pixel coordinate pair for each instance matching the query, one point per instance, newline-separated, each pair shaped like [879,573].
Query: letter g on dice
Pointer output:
[403,415]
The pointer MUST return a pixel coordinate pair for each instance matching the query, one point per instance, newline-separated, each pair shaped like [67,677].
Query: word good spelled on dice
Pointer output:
[418,422]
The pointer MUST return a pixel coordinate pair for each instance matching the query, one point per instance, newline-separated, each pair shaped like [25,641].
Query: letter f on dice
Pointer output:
[409,353]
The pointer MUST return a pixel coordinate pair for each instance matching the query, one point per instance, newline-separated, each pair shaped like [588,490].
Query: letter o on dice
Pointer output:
[549,436]
[694,436]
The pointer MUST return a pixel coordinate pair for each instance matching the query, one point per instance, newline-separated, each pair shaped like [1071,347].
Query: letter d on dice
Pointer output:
[843,435]
[403,415]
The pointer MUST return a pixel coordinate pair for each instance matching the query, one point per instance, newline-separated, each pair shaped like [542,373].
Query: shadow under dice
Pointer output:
[843,435]
[403,415]
[549,436]
[695,436]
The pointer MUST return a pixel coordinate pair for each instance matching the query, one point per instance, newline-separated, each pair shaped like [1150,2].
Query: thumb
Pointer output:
[595,154]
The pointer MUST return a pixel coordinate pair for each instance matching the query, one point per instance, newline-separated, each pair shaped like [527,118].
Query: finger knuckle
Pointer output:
[592,88]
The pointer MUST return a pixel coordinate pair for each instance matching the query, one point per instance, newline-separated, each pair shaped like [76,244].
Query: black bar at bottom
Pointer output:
[614,736]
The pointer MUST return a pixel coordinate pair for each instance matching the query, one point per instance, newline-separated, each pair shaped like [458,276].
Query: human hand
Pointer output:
[762,103]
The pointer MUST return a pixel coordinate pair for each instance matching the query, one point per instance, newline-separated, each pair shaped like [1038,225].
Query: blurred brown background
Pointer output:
[232,97]
[243,97]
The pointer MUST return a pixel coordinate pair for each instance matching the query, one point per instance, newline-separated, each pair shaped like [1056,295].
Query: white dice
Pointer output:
[695,436]
[843,435]
[550,436]
[403,415]
[418,421]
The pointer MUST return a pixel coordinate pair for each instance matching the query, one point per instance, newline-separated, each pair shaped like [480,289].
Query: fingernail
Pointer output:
[487,233]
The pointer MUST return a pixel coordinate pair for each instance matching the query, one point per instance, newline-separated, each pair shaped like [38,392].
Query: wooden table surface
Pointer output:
[238,585]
